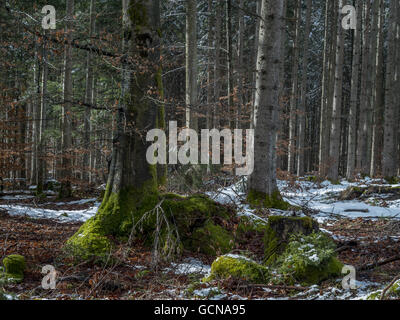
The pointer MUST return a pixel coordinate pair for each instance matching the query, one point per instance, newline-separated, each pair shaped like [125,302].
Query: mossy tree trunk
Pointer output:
[132,182]
[263,188]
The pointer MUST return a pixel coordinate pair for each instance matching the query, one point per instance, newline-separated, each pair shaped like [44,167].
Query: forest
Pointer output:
[199,150]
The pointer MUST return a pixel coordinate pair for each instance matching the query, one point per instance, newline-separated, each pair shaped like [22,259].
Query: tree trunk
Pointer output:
[354,94]
[390,151]
[294,92]
[334,151]
[191,65]
[362,144]
[303,95]
[132,182]
[66,174]
[262,182]
[88,98]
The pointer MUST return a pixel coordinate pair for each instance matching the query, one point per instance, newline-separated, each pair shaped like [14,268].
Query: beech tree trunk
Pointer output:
[262,182]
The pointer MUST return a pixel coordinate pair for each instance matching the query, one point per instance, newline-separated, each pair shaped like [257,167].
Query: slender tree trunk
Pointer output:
[334,152]
[262,182]
[390,150]
[294,92]
[217,66]
[240,68]
[66,189]
[324,133]
[41,164]
[191,65]
[377,96]
[362,144]
[229,48]
[352,132]
[88,98]
[254,72]
[303,95]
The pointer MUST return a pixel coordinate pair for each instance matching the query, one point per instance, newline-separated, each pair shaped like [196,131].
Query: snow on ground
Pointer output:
[60,215]
[316,197]
[190,266]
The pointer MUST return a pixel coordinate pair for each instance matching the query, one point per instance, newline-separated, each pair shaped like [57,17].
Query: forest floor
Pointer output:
[367,231]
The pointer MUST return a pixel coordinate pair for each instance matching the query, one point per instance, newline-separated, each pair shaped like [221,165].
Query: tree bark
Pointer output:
[294,92]
[66,173]
[262,182]
[303,95]
[191,65]
[334,151]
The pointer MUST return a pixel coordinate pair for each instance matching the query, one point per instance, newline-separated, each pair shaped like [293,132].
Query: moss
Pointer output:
[114,218]
[334,182]
[393,292]
[195,219]
[309,259]
[14,266]
[247,224]
[239,268]
[138,14]
[278,232]
[211,239]
[261,199]
[310,275]
[392,180]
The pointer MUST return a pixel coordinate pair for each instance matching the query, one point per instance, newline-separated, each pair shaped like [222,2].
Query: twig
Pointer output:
[389,286]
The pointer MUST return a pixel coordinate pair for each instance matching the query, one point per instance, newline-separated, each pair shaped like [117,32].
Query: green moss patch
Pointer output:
[278,233]
[14,267]
[261,199]
[239,268]
[309,259]
[198,223]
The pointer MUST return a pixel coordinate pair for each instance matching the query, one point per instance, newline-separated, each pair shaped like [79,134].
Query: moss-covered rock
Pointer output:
[210,239]
[309,259]
[247,224]
[14,267]
[278,233]
[239,268]
[260,199]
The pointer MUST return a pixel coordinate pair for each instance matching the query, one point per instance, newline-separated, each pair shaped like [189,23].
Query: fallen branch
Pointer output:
[284,287]
[378,264]
[389,286]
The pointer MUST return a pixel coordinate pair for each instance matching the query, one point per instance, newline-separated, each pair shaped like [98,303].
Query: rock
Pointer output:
[280,229]
[14,267]
[239,268]
[309,259]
